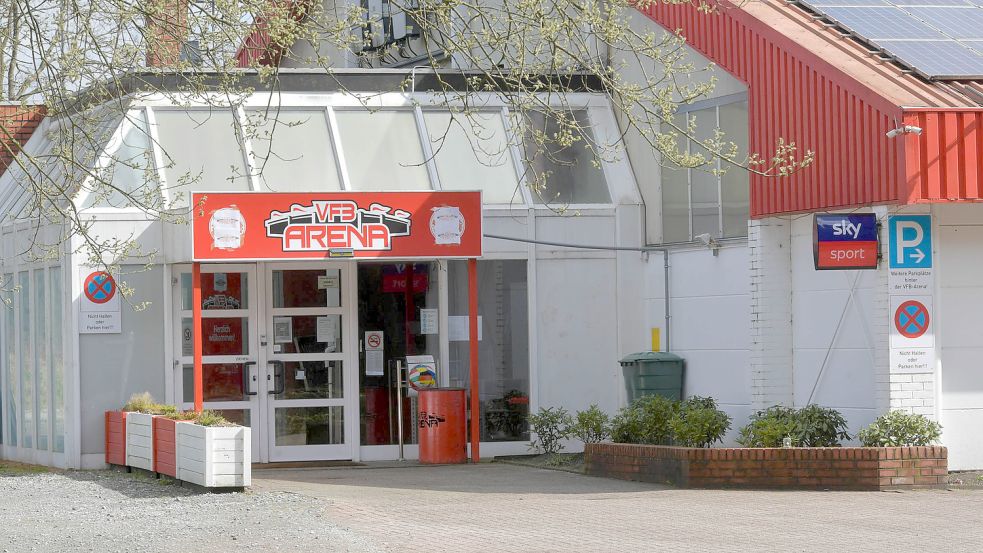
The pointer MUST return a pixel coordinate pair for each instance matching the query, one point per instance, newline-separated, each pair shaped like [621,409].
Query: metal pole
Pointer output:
[196,329]
[473,343]
[399,406]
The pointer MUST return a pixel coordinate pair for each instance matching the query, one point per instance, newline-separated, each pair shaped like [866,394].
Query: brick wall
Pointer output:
[17,123]
[834,468]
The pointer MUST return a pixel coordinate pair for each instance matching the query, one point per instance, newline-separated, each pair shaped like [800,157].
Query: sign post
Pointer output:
[911,282]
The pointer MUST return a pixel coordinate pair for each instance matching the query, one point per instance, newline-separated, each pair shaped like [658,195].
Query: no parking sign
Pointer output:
[99,309]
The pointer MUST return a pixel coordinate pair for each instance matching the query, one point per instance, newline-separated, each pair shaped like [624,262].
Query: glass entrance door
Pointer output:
[308,345]
[231,356]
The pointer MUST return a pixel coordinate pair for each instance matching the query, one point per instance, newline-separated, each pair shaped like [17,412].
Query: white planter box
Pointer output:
[140,441]
[214,456]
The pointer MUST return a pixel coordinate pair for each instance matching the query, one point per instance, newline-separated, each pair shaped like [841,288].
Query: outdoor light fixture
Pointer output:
[907,129]
[709,242]
[341,252]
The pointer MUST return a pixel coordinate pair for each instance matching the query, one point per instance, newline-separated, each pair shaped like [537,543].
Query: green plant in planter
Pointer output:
[646,421]
[810,426]
[768,428]
[144,403]
[820,427]
[698,423]
[551,425]
[590,426]
[900,428]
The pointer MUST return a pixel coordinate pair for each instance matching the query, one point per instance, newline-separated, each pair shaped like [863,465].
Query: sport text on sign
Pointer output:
[845,241]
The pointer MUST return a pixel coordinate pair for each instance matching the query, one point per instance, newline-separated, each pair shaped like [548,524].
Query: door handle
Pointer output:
[246,378]
[279,383]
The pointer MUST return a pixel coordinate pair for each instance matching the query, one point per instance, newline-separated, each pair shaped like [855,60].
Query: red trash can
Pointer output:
[442,426]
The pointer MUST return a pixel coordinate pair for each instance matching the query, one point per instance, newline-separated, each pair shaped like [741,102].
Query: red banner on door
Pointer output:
[250,226]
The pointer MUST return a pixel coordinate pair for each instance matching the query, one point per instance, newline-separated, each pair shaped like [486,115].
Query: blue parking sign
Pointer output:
[910,239]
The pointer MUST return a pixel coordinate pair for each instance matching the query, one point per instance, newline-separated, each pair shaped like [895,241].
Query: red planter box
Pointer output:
[165,446]
[811,468]
[116,438]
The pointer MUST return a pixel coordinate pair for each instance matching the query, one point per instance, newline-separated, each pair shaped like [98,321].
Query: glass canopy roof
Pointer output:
[158,155]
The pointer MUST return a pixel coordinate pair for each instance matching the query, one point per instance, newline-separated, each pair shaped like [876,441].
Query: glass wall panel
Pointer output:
[201,151]
[563,175]
[503,344]
[292,150]
[10,355]
[307,288]
[718,203]
[27,403]
[220,382]
[222,336]
[395,299]
[41,358]
[382,150]
[472,153]
[310,426]
[704,194]
[734,183]
[131,174]
[57,362]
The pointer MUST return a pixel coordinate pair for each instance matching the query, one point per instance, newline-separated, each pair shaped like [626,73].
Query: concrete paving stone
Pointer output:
[495,507]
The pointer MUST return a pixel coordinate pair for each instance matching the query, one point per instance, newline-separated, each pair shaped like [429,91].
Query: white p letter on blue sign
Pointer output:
[910,239]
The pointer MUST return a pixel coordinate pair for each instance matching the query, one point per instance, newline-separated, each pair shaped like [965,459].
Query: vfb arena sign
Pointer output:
[260,226]
[845,241]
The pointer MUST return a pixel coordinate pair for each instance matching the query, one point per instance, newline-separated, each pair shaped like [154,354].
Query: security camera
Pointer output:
[708,241]
[907,129]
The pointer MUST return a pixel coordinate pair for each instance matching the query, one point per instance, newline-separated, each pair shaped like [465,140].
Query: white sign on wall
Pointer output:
[99,308]
[374,356]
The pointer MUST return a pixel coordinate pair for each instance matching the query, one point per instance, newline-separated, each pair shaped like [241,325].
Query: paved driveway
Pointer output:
[496,507]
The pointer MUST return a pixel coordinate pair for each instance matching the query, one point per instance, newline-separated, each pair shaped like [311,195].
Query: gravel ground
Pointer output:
[110,511]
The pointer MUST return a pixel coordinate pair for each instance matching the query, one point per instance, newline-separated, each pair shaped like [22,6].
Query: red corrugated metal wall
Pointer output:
[797,96]
[945,163]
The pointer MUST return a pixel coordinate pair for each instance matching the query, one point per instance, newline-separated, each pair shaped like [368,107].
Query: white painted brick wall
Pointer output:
[771,312]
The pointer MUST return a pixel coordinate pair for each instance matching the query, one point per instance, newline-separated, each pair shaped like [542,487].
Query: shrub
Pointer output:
[211,418]
[590,426]
[140,403]
[810,426]
[626,426]
[551,424]
[768,428]
[900,428]
[144,403]
[820,427]
[698,423]
[646,421]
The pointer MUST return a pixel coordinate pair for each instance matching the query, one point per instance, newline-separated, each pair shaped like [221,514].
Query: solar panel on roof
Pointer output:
[957,23]
[931,2]
[875,22]
[938,39]
[937,60]
[847,3]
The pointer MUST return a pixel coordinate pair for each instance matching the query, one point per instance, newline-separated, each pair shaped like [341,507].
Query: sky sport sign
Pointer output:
[845,241]
[278,226]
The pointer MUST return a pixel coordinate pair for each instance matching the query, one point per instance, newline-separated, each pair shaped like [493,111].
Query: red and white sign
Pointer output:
[99,307]
[256,226]
[911,322]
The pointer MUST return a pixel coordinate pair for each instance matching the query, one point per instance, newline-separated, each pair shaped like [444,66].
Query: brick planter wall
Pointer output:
[833,468]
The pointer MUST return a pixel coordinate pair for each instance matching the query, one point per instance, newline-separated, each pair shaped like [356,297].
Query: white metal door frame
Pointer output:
[348,357]
[253,358]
